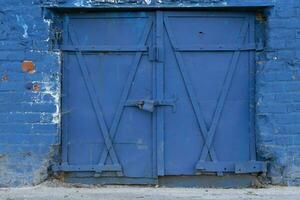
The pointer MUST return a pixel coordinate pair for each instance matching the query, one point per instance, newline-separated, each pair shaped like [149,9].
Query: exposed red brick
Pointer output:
[28,66]
[36,87]
[4,78]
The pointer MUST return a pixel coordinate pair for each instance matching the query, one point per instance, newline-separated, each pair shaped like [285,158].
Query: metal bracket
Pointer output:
[251,166]
[156,53]
[56,37]
[231,167]
[88,168]
[259,46]
[149,105]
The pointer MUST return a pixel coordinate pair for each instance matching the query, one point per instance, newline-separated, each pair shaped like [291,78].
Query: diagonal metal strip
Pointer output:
[190,91]
[126,90]
[92,93]
[224,93]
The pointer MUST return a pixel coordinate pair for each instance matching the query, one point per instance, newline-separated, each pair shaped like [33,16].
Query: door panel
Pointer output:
[205,67]
[106,66]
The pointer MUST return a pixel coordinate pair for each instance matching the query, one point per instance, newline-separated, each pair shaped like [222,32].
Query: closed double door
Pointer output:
[148,94]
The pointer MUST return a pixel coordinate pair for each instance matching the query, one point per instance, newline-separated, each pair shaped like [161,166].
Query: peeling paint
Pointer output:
[79,3]
[24,25]
[4,78]
[48,22]
[54,93]
[148,2]
[36,87]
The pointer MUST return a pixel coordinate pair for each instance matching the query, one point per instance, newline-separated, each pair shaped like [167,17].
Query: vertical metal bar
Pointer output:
[160,95]
[64,99]
[154,115]
[252,88]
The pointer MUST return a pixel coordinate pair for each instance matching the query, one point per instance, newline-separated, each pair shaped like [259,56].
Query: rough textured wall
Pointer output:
[29,94]
[29,122]
[278,94]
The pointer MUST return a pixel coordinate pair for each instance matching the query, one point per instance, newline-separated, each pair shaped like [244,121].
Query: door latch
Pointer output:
[149,105]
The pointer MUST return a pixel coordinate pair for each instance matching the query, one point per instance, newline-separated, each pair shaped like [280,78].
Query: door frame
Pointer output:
[158,134]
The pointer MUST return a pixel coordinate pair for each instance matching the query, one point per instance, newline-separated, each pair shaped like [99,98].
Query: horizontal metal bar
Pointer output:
[104,48]
[77,177]
[179,5]
[251,166]
[234,167]
[150,104]
[95,16]
[86,168]
[206,15]
[226,47]
[215,166]
[167,102]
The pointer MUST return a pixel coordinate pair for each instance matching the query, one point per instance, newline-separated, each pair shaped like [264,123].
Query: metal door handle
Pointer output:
[149,104]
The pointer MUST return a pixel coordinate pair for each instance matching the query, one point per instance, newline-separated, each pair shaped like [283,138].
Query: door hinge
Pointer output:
[56,37]
[156,53]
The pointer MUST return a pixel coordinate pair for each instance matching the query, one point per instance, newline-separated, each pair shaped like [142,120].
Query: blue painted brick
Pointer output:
[294,108]
[286,54]
[291,118]
[47,128]
[290,129]
[28,139]
[286,12]
[38,149]
[28,107]
[281,76]
[26,97]
[26,117]
[274,65]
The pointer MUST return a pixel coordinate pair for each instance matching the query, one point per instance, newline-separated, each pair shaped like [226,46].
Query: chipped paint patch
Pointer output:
[48,21]
[55,93]
[28,66]
[147,2]
[79,3]
[24,26]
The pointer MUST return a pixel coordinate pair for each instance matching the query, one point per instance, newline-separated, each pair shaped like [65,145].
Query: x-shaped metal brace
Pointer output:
[207,133]
[109,134]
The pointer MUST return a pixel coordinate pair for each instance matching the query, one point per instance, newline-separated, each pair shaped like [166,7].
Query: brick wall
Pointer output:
[278,93]
[29,94]
[30,87]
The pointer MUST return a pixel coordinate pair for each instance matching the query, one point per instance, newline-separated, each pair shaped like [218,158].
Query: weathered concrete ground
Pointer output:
[57,191]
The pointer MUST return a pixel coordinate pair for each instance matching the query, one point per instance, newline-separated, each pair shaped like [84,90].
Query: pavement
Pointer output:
[61,191]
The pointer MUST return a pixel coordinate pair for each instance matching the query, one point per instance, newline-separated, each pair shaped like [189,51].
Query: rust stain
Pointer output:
[2,156]
[260,17]
[26,154]
[36,87]
[4,78]
[28,66]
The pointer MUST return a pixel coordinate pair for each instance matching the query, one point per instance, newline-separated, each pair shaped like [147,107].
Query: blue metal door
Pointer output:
[106,77]
[149,94]
[209,65]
